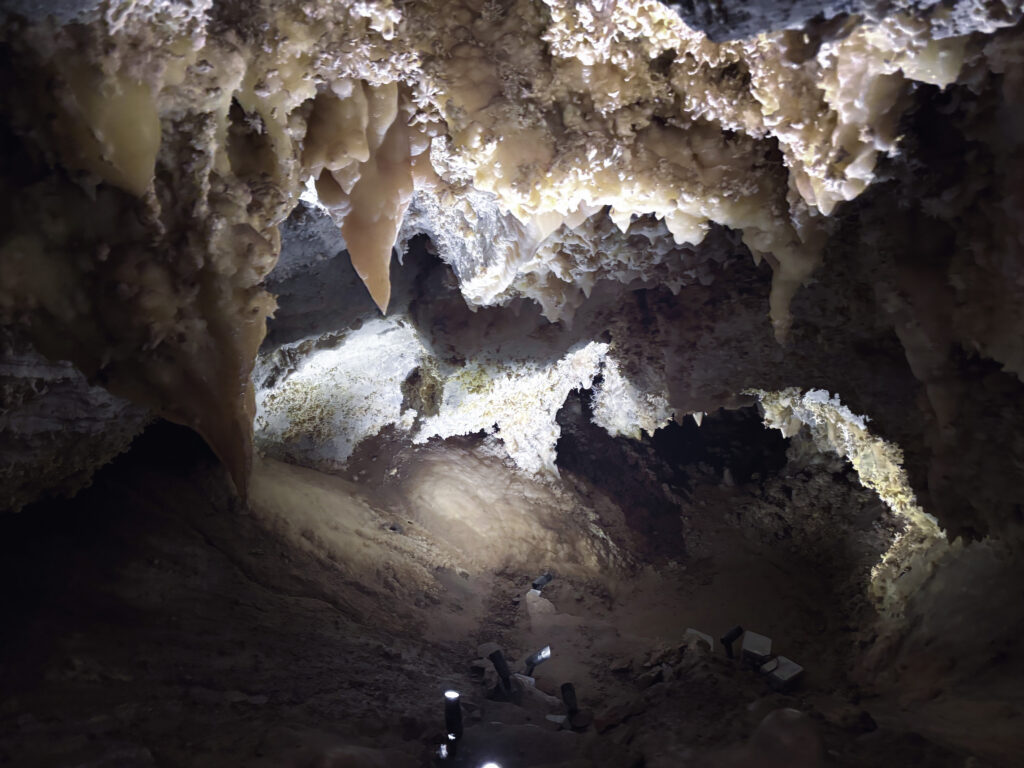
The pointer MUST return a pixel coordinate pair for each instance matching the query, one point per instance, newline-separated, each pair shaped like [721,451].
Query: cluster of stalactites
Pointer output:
[180,149]
[629,111]
[366,160]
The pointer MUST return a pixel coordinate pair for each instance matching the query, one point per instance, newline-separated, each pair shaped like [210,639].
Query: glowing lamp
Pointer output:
[540,656]
[452,715]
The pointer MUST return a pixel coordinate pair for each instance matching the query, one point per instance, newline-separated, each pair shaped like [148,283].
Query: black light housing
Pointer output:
[729,638]
[579,719]
[452,715]
[543,580]
[501,667]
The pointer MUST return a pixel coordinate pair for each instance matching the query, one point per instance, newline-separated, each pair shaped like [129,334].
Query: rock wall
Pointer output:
[57,429]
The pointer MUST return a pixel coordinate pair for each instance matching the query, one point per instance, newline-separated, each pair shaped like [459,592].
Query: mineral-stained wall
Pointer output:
[869,155]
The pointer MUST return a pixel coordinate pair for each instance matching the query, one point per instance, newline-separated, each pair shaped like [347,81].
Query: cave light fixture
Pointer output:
[501,667]
[490,765]
[452,715]
[729,638]
[537,658]
[543,580]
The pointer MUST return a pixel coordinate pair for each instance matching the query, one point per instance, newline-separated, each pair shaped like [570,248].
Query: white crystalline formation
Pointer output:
[317,409]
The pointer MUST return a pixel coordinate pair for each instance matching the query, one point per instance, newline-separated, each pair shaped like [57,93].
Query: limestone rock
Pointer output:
[57,429]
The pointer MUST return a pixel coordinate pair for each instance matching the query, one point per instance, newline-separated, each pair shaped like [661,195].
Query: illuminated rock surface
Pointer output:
[482,288]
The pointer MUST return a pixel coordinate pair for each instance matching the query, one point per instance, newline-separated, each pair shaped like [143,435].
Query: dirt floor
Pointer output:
[155,620]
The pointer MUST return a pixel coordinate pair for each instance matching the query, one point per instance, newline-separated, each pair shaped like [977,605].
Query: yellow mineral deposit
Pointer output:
[112,127]
[362,150]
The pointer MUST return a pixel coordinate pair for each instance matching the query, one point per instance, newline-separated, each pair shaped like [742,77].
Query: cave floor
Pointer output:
[155,620]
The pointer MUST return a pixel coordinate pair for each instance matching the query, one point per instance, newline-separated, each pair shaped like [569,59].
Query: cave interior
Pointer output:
[512,383]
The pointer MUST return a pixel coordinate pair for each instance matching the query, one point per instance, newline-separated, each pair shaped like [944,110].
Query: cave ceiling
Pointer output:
[687,203]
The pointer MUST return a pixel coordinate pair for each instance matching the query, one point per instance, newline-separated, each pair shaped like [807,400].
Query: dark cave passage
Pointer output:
[656,472]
